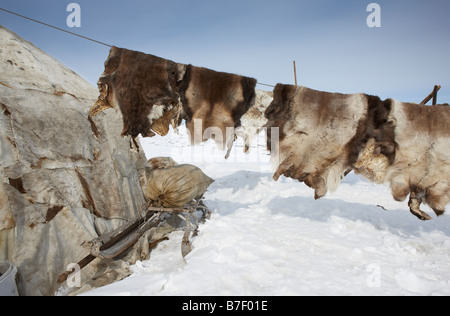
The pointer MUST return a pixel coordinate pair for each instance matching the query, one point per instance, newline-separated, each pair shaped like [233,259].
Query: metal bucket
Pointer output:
[8,273]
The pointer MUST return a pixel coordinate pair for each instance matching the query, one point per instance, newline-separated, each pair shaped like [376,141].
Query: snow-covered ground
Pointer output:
[272,238]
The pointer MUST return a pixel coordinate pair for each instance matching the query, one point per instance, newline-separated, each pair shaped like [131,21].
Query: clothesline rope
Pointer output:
[56,28]
[79,35]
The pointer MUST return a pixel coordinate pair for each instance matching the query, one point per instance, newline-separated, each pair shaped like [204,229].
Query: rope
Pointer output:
[57,28]
[267,85]
[84,37]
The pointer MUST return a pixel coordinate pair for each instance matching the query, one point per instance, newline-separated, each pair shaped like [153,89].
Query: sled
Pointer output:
[114,243]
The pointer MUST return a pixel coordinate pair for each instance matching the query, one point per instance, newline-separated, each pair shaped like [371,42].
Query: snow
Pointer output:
[268,238]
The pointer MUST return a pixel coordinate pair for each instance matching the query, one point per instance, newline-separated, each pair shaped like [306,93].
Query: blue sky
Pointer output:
[330,41]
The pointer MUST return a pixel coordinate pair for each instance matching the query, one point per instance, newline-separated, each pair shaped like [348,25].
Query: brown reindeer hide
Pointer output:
[422,163]
[214,103]
[144,87]
[322,134]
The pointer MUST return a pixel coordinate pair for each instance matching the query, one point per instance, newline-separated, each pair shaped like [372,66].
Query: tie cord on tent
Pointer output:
[81,36]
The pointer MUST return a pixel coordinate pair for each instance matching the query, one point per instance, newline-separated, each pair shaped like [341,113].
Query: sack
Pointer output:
[161,163]
[176,186]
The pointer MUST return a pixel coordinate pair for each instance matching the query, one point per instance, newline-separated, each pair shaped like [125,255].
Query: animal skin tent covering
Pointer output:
[62,182]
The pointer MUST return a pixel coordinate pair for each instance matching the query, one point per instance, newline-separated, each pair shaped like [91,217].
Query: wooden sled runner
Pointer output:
[114,243]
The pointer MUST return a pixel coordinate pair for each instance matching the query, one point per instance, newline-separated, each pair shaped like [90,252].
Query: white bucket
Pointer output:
[8,273]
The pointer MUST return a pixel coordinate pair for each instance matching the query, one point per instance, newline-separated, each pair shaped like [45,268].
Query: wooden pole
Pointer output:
[435,91]
[295,74]
[84,262]
[121,233]
[431,95]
